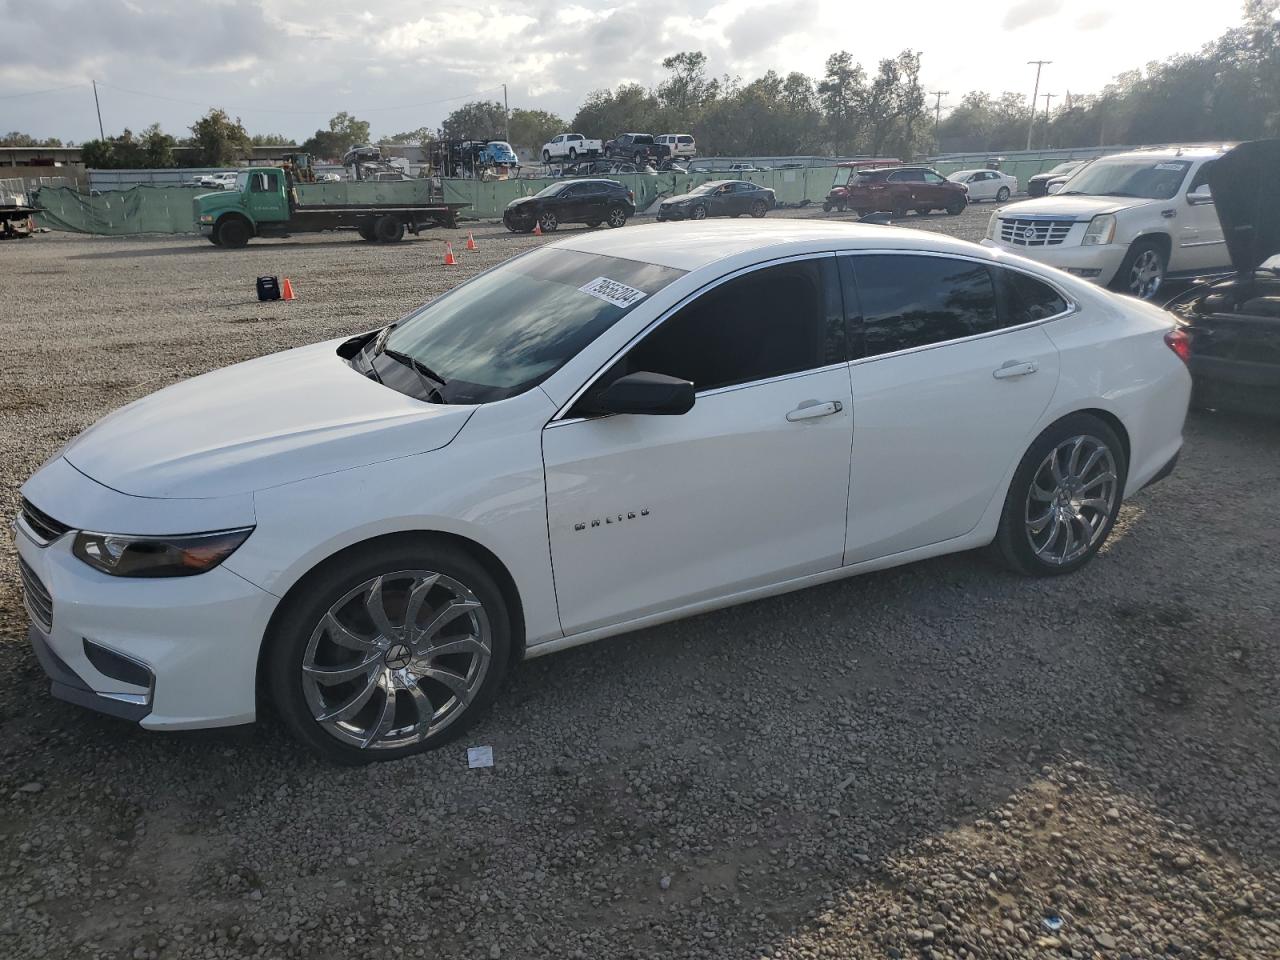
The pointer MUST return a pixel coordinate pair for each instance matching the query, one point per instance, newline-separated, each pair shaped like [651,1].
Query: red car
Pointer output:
[895,189]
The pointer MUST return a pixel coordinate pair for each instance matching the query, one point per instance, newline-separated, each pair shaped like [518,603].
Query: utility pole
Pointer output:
[1047,98]
[937,113]
[1035,96]
[97,106]
[506,115]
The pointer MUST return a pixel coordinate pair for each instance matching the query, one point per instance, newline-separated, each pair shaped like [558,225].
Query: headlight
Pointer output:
[1102,229]
[121,555]
[206,218]
[993,227]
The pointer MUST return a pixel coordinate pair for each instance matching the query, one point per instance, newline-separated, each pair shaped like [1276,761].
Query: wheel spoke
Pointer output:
[1065,552]
[1091,462]
[446,616]
[373,604]
[470,645]
[328,676]
[417,597]
[1073,458]
[1095,503]
[1037,525]
[1058,475]
[388,715]
[340,634]
[1053,535]
[1040,493]
[1100,478]
[355,704]
[422,704]
[455,682]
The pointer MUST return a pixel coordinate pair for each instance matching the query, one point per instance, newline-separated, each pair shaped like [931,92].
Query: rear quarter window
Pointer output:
[1026,299]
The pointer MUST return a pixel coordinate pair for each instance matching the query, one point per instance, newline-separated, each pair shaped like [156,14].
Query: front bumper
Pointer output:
[673,213]
[175,653]
[1097,263]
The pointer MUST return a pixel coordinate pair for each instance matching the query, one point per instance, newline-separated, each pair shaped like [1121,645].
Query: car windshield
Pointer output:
[703,189]
[1129,177]
[551,191]
[242,181]
[1062,168]
[512,327]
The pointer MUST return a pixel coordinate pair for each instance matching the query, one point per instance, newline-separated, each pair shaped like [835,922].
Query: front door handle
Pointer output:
[812,409]
[1015,368]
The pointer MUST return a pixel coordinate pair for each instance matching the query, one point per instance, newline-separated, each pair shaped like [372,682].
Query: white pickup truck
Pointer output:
[570,146]
[1128,221]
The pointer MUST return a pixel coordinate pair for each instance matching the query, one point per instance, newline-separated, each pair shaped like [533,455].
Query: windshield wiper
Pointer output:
[434,382]
[1115,193]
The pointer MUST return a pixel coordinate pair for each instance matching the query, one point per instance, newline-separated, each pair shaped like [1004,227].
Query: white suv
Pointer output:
[1128,221]
[681,144]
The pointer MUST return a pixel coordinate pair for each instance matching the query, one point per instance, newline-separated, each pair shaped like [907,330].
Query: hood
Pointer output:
[217,200]
[1082,208]
[259,424]
[1246,193]
[520,202]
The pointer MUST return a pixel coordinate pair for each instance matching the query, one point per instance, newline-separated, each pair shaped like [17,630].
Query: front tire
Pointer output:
[1142,271]
[698,213]
[759,209]
[391,651]
[956,208]
[1064,498]
[232,234]
[548,222]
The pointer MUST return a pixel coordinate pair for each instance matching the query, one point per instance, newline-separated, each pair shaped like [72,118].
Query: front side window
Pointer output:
[262,183]
[771,322]
[930,177]
[909,301]
[511,328]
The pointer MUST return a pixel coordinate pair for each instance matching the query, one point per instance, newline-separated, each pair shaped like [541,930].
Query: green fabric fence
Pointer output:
[154,209]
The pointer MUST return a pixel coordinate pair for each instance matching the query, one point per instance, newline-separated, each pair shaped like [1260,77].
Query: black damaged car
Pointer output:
[719,198]
[592,202]
[1230,328]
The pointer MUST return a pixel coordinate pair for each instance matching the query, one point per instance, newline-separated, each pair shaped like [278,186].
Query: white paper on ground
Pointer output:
[479,756]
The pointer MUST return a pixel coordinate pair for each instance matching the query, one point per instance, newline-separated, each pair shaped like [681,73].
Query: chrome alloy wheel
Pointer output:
[1146,275]
[396,659]
[1071,498]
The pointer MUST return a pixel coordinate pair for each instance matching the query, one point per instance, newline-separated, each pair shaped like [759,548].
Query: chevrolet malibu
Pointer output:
[605,433]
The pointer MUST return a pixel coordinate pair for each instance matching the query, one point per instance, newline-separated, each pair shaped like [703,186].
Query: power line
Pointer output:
[36,93]
[937,111]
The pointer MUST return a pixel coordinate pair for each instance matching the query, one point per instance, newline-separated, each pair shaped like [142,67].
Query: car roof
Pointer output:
[698,243]
[1171,153]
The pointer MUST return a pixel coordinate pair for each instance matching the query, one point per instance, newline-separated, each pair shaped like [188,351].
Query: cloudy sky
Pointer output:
[286,66]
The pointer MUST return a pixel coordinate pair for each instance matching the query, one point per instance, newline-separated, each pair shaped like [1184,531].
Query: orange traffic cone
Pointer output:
[537,229]
[471,241]
[449,259]
[287,292]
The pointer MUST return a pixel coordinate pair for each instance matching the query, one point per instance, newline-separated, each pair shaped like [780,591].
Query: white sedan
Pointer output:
[986,184]
[605,433]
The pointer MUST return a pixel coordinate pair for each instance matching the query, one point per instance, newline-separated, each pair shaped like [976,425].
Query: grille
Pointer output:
[1034,233]
[39,603]
[41,524]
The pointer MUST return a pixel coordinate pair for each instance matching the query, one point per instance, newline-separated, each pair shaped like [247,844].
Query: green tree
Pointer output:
[218,141]
[157,147]
[271,140]
[532,128]
[15,138]
[687,91]
[842,93]
[629,108]
[344,132]
[477,120]
[421,135]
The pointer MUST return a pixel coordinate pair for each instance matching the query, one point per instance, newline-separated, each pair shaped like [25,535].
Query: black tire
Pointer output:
[548,222]
[955,208]
[923,211]
[594,223]
[1002,195]
[546,156]
[232,233]
[213,238]
[366,232]
[826,207]
[899,210]
[759,209]
[301,613]
[616,217]
[1013,542]
[388,229]
[1126,281]
[699,212]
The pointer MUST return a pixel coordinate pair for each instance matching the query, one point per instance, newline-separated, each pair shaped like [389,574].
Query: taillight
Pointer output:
[631,196]
[1179,342]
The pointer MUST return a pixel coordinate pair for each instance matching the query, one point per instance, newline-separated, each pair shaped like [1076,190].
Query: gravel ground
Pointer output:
[942,760]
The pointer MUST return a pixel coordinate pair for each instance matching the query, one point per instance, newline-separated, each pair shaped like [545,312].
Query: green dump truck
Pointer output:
[268,202]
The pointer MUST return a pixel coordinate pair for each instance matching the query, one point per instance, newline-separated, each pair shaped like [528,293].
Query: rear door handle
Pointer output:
[813,409]
[1015,368]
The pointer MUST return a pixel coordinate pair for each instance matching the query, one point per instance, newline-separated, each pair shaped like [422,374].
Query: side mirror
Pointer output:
[1055,187]
[1201,194]
[653,394]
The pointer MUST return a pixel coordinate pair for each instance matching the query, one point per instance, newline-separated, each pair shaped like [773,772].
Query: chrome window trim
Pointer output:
[1072,305]
[561,415]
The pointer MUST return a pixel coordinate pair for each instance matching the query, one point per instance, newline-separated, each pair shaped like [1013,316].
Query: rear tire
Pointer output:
[1002,195]
[594,223]
[617,217]
[923,211]
[388,229]
[232,234]
[366,232]
[299,636]
[1052,503]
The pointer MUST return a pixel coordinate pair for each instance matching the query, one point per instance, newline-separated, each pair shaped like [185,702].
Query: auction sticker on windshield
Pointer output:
[611,291]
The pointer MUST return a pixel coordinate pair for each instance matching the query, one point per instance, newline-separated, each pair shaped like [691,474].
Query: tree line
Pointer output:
[1227,90]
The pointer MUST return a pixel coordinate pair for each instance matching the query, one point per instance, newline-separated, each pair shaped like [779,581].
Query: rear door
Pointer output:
[952,372]
[1201,243]
[749,488]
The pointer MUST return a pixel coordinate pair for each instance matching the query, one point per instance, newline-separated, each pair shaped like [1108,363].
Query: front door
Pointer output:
[948,387]
[266,197]
[1201,243]
[652,513]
